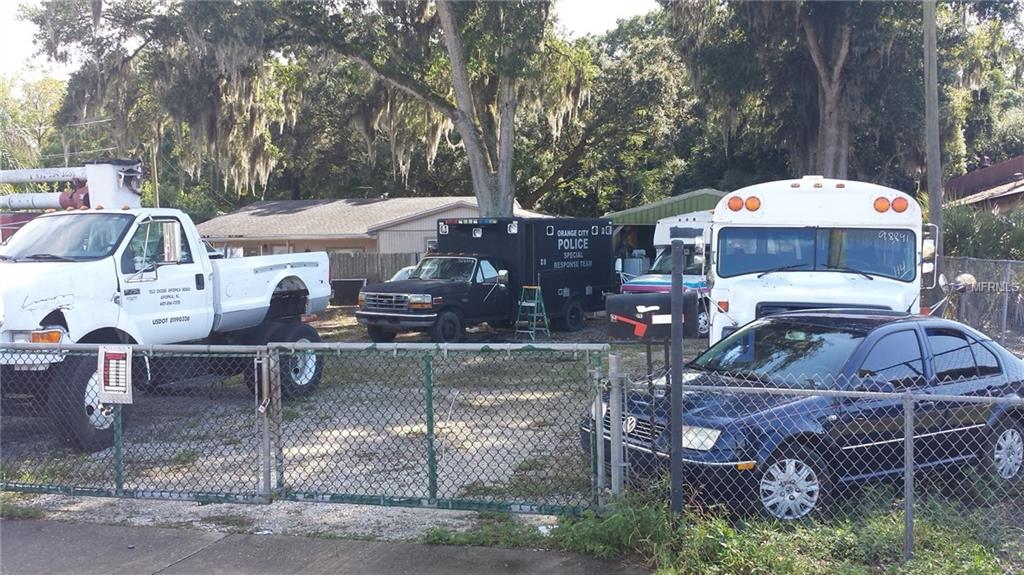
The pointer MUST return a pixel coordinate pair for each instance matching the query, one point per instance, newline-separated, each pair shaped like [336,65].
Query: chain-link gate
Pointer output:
[463,426]
[988,296]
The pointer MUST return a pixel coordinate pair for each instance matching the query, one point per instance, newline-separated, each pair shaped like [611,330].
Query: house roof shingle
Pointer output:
[342,218]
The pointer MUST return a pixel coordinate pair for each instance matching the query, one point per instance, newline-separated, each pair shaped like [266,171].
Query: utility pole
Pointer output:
[933,158]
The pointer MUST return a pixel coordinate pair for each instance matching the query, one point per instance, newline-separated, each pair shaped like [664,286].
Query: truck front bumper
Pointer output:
[393,320]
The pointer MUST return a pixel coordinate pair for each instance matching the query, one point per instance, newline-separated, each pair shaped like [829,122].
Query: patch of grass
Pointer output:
[290,413]
[185,457]
[330,535]
[491,529]
[237,523]
[864,539]
[16,506]
[527,465]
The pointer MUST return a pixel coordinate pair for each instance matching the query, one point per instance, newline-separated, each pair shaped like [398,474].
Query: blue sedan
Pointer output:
[788,440]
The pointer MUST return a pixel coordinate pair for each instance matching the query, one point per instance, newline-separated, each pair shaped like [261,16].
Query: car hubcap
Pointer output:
[303,366]
[703,325]
[100,417]
[789,489]
[1009,453]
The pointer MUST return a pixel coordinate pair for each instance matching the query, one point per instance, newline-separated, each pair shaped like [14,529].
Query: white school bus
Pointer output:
[813,243]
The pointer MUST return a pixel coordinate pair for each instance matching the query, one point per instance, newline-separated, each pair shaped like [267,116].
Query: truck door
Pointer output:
[489,299]
[163,284]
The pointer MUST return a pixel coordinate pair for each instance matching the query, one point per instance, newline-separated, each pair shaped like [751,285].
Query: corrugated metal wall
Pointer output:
[650,214]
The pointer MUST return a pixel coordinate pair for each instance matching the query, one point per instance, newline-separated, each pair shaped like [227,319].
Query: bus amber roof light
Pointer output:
[795,185]
[753,203]
[840,185]
[735,203]
[900,205]
[818,184]
[881,205]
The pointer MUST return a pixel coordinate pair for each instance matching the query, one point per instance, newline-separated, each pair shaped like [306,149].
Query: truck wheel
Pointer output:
[74,404]
[300,371]
[448,328]
[703,322]
[573,318]
[380,335]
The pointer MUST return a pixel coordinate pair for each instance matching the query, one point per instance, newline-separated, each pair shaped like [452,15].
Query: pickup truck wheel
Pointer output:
[448,328]
[1004,452]
[74,404]
[573,318]
[703,322]
[300,371]
[380,335]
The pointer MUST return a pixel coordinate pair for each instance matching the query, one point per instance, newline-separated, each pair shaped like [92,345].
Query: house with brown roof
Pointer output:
[998,188]
[354,225]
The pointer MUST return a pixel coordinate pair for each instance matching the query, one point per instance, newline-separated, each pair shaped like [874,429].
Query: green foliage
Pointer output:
[972,232]
[492,529]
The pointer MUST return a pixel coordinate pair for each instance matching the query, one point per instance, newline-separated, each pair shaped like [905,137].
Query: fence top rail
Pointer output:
[348,347]
[850,394]
[983,260]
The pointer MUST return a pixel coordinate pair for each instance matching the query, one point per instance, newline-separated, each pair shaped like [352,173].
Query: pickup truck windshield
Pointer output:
[880,252]
[789,354]
[692,264]
[455,269]
[70,237]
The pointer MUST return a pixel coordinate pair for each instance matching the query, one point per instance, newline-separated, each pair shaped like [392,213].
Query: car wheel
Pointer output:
[703,323]
[300,371]
[74,404]
[793,483]
[1004,453]
[448,328]
[380,335]
[574,317]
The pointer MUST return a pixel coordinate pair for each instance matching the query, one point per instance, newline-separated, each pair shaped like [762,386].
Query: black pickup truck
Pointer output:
[479,270]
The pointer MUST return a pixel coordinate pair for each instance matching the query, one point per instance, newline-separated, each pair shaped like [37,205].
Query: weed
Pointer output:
[237,523]
[185,457]
[490,528]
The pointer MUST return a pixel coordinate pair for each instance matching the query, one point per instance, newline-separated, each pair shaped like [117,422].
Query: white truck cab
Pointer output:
[813,243]
[95,274]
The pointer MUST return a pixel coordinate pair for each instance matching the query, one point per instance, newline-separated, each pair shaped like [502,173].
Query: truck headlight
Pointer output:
[420,301]
[361,299]
[594,410]
[699,438]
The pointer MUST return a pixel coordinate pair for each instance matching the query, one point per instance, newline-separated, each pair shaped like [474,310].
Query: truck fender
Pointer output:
[99,315]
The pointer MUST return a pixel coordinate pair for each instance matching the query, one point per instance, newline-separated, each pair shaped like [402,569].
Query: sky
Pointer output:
[578,17]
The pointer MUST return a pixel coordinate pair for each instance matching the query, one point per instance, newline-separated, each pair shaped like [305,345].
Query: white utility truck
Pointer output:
[814,243]
[98,268]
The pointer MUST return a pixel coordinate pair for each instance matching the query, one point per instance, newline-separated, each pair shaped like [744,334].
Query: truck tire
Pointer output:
[448,328]
[300,371]
[573,318]
[75,407]
[380,335]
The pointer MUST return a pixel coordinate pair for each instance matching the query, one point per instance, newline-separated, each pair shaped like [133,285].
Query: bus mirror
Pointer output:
[943,282]
[503,277]
[927,268]
[928,249]
[618,265]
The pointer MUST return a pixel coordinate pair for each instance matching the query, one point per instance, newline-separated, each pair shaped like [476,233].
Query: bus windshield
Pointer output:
[881,252]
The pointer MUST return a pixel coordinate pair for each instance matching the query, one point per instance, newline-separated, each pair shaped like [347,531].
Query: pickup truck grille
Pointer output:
[385,302]
[642,433]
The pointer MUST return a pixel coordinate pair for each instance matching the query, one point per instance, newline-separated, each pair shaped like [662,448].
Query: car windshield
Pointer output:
[786,353]
[455,269]
[67,237]
[881,252]
[693,264]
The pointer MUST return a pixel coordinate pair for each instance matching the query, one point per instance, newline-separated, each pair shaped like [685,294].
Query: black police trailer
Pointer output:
[480,268]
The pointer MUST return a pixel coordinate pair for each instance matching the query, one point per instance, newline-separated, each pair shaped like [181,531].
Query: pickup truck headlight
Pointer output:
[699,438]
[361,299]
[420,301]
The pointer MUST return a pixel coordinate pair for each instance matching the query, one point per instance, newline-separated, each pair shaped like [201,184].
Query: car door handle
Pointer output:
[200,282]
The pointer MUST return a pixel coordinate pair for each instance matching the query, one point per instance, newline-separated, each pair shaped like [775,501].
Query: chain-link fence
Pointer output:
[883,446]
[988,296]
[463,426]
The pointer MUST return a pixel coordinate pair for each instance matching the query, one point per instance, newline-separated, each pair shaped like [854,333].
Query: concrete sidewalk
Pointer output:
[30,547]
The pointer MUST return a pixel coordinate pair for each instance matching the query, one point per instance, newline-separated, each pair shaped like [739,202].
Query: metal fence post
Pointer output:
[428,384]
[276,414]
[615,416]
[597,437]
[1007,278]
[264,359]
[908,477]
[118,451]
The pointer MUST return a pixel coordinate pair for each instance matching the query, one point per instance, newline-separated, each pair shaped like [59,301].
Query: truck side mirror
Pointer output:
[503,277]
[618,265]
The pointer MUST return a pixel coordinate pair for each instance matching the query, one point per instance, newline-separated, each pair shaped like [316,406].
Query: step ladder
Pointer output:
[531,316]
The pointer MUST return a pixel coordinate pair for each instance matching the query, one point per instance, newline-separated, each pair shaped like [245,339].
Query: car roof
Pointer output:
[869,319]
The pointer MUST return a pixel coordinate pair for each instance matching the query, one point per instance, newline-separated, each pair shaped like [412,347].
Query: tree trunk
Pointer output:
[485,182]
[833,147]
[506,144]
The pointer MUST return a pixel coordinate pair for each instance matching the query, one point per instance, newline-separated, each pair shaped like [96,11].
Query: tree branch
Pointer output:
[812,44]
[402,82]
[844,49]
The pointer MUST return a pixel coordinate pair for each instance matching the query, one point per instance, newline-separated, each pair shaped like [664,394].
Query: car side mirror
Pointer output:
[503,277]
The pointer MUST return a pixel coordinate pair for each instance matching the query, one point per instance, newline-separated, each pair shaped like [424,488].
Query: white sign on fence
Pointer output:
[115,373]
